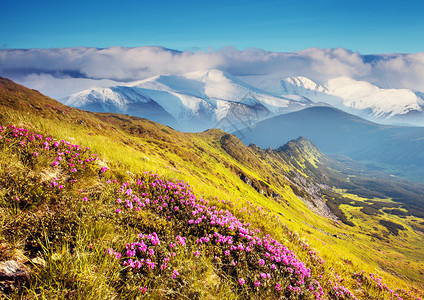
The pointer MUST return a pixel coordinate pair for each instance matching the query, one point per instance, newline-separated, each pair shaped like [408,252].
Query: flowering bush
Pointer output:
[257,262]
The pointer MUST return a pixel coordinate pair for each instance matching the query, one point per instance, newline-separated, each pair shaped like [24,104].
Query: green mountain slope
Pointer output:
[62,210]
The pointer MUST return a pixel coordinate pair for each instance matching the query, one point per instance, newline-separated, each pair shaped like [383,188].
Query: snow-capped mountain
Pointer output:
[394,106]
[190,102]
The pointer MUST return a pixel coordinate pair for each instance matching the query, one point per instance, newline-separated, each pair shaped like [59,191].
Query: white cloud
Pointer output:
[126,64]
[405,71]
[330,63]
[59,88]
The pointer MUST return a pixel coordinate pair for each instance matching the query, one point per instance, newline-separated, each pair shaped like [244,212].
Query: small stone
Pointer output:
[38,261]
[13,270]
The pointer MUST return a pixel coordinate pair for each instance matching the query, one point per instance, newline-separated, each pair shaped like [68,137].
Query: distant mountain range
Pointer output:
[399,149]
[191,102]
[214,99]
[361,98]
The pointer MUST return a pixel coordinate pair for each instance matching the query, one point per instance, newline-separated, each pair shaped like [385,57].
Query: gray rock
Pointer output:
[12,270]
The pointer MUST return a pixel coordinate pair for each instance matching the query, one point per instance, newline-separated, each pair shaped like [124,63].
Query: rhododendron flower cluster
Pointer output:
[71,158]
[238,249]
[67,162]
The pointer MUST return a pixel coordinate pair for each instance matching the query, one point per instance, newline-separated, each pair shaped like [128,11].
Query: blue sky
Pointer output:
[369,27]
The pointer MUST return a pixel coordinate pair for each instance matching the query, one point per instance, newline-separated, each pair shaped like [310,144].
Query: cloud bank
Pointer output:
[49,69]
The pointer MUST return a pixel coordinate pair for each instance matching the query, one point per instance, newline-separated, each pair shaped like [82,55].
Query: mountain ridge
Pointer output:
[336,132]
[361,98]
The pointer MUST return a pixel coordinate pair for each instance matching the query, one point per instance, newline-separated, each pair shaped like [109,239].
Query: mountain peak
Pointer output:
[301,146]
[300,81]
[212,74]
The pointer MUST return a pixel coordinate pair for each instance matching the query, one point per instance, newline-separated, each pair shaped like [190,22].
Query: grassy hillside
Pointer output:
[119,220]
